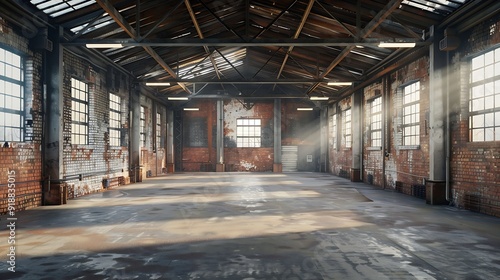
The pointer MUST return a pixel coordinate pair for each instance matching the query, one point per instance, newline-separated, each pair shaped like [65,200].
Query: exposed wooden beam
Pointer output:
[296,35]
[200,34]
[118,18]
[369,28]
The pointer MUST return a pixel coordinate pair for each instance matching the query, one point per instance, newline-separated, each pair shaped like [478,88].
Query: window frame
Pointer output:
[158,131]
[376,122]
[142,126]
[115,104]
[334,131]
[347,128]
[484,108]
[16,115]
[76,137]
[253,128]
[410,112]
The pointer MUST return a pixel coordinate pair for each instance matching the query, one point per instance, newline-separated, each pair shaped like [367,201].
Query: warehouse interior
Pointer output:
[102,98]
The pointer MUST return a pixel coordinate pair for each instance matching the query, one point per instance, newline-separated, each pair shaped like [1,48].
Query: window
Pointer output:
[411,114]
[79,112]
[484,97]
[115,120]
[333,129]
[346,128]
[158,131]
[248,133]
[376,122]
[11,97]
[143,127]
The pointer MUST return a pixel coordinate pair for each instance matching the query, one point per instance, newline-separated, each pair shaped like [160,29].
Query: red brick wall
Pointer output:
[372,156]
[24,158]
[97,160]
[340,156]
[475,166]
[408,166]
[200,158]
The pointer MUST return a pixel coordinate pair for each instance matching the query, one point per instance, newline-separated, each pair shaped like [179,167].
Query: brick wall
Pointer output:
[475,166]
[25,159]
[340,156]
[372,156]
[407,166]
[249,159]
[97,160]
[199,129]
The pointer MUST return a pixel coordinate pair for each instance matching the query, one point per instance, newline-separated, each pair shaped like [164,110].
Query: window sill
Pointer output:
[374,148]
[409,147]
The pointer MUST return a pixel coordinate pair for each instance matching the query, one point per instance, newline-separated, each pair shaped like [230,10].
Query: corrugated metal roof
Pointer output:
[157,22]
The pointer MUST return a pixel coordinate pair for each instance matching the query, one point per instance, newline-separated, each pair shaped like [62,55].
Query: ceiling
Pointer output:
[247,48]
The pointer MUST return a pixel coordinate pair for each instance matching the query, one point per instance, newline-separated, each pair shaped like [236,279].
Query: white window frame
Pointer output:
[115,120]
[79,112]
[411,114]
[158,131]
[11,97]
[248,133]
[484,97]
[376,122]
[142,130]
[347,128]
[333,128]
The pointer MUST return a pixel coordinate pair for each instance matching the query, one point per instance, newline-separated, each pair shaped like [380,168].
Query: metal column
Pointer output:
[220,167]
[357,137]
[170,142]
[277,166]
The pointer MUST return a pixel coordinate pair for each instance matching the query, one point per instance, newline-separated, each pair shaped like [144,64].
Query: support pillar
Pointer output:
[278,165]
[170,142]
[135,136]
[53,191]
[323,149]
[220,167]
[357,137]
[435,186]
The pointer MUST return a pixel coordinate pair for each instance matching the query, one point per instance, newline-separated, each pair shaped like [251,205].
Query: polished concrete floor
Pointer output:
[251,226]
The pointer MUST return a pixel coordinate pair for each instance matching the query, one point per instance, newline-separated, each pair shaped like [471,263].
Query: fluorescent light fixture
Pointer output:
[318,98]
[396,45]
[104,46]
[304,109]
[178,98]
[339,83]
[191,109]
[158,84]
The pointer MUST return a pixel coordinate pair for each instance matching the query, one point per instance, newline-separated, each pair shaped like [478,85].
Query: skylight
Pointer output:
[55,8]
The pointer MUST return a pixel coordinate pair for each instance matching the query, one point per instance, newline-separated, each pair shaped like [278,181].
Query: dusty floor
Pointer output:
[251,226]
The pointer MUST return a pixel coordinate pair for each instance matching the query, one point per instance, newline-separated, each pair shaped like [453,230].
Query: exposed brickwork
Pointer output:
[475,166]
[340,156]
[24,159]
[97,160]
[200,158]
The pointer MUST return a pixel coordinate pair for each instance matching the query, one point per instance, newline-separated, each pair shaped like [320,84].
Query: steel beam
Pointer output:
[296,35]
[369,28]
[118,18]
[264,42]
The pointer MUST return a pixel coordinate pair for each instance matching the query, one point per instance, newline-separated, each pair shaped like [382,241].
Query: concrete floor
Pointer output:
[252,226]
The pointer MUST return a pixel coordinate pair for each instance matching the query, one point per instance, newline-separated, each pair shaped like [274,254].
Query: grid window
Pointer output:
[115,120]
[376,122]
[143,126]
[346,128]
[333,129]
[158,131]
[484,97]
[79,112]
[248,133]
[11,97]
[411,114]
